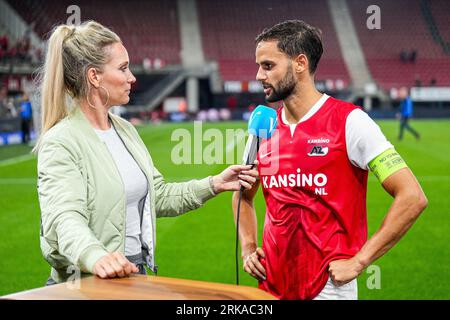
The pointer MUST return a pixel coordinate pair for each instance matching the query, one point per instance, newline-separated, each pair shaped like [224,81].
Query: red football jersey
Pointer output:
[315,199]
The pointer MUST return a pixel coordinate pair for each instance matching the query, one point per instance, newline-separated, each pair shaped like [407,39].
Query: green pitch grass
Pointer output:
[200,245]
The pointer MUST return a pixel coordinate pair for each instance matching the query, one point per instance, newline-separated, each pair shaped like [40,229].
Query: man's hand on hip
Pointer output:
[345,270]
[253,266]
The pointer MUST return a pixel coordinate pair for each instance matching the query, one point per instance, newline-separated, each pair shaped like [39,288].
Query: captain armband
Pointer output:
[386,164]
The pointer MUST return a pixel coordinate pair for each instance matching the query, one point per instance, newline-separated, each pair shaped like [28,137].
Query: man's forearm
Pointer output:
[402,214]
[247,224]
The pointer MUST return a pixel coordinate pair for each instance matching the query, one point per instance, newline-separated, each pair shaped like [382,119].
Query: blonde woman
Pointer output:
[99,191]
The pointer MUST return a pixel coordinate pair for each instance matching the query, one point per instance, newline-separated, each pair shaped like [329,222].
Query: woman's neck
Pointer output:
[97,117]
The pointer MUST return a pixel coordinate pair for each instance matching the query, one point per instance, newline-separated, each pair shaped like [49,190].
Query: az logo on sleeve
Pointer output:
[318,151]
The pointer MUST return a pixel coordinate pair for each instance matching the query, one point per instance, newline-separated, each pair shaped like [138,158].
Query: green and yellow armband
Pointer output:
[386,164]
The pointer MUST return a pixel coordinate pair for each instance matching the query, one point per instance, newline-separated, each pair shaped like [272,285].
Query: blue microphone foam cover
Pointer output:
[262,122]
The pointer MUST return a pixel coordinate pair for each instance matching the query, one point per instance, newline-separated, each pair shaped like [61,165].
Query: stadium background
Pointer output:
[194,60]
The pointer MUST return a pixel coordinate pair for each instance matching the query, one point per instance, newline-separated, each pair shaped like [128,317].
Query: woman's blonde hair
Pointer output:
[71,51]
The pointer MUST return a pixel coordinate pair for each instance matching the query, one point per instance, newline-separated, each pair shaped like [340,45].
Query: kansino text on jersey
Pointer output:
[298,179]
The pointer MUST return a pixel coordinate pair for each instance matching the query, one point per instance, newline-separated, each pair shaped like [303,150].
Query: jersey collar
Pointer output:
[311,111]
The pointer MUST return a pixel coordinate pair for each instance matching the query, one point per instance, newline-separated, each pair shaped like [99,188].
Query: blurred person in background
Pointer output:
[99,191]
[26,115]
[3,101]
[406,113]
[4,45]
[11,108]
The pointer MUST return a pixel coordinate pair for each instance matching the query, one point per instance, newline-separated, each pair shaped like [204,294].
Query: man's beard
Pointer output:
[284,88]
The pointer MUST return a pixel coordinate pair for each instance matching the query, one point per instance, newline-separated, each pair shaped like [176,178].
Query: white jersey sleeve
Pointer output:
[364,139]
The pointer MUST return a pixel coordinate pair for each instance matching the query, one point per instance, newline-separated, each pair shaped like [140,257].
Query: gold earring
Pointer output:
[107,97]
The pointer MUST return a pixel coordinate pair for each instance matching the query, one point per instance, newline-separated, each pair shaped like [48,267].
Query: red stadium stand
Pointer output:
[230,27]
[149,29]
[440,12]
[401,31]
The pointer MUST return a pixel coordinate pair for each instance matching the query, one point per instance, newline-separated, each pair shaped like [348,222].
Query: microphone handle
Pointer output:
[239,212]
[252,154]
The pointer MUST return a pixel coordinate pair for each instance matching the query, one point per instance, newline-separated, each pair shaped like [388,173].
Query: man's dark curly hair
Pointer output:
[296,37]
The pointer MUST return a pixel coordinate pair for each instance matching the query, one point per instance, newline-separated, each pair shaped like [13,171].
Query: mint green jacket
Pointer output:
[82,197]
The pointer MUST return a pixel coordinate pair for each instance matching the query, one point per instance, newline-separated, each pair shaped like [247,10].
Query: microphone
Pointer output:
[261,125]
